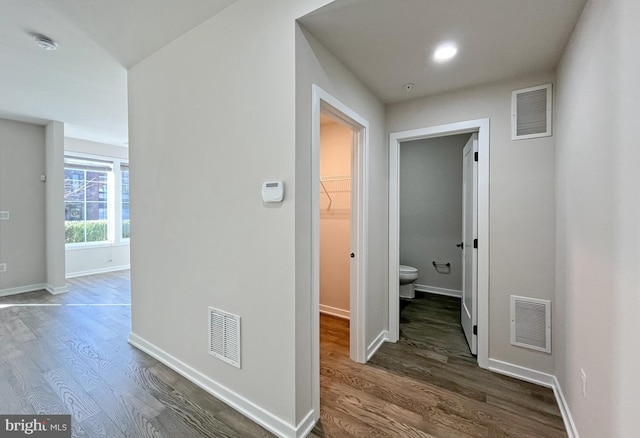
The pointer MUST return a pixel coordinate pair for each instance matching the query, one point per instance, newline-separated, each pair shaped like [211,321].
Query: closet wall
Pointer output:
[335,215]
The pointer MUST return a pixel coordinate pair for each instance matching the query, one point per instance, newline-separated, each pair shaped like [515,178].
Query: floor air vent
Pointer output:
[531,323]
[531,112]
[224,336]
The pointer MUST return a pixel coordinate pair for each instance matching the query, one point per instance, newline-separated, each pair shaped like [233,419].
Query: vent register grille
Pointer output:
[531,112]
[531,323]
[224,336]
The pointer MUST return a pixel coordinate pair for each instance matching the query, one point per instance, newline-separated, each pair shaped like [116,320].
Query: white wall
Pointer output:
[85,260]
[212,116]
[598,213]
[431,209]
[335,219]
[22,193]
[521,202]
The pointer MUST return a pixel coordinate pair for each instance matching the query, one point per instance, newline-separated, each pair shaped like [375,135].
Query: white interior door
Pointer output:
[469,310]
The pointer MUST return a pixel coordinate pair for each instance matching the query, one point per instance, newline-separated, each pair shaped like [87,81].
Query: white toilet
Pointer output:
[408,275]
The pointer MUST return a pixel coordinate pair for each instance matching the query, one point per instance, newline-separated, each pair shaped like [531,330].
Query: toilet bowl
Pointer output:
[408,275]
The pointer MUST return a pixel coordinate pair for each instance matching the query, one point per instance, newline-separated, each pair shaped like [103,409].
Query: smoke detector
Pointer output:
[44,42]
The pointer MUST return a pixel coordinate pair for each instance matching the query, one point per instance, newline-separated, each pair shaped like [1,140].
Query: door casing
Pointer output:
[323,102]
[481,126]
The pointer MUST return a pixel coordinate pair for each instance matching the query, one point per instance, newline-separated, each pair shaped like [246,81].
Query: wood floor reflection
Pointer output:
[425,385]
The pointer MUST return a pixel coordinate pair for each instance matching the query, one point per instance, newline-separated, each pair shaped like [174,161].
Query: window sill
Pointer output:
[93,245]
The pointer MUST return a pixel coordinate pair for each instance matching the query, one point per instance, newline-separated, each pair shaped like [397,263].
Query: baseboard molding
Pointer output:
[97,271]
[572,430]
[22,289]
[539,378]
[438,290]
[306,425]
[261,416]
[377,343]
[56,290]
[334,311]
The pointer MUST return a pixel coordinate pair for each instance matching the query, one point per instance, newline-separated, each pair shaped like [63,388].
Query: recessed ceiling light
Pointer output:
[44,42]
[445,52]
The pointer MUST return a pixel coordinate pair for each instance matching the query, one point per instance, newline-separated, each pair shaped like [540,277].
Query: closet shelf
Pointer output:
[335,184]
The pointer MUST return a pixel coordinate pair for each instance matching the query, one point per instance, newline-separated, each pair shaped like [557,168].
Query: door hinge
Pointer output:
[475,243]
[475,330]
[475,156]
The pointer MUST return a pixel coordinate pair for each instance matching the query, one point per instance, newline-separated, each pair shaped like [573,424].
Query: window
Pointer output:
[124,177]
[96,198]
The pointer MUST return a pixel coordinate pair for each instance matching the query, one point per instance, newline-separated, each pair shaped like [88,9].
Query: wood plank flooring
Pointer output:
[69,354]
[425,385]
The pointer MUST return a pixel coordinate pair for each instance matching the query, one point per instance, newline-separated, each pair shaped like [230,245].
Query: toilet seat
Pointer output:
[405,269]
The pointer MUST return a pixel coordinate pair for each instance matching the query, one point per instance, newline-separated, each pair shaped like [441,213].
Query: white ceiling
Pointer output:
[386,43]
[84,82]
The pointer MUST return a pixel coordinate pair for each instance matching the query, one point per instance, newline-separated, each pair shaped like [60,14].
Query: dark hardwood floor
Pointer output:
[425,385]
[69,354]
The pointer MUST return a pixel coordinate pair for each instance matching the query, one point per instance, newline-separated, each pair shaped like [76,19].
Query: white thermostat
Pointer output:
[272,191]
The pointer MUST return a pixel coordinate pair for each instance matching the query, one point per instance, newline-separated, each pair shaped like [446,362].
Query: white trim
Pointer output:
[569,424]
[334,311]
[377,343]
[521,373]
[246,407]
[93,245]
[22,289]
[97,271]
[481,126]
[438,290]
[56,290]
[542,379]
[307,424]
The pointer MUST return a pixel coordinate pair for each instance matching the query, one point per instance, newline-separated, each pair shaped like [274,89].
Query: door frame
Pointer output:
[323,102]
[481,126]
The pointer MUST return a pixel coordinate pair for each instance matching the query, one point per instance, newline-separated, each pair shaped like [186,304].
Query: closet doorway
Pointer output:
[338,174]
[336,150]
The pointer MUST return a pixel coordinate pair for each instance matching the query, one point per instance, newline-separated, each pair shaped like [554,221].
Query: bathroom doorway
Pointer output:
[476,289]
[437,228]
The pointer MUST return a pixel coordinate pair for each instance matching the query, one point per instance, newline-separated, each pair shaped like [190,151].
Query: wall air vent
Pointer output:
[224,336]
[531,323]
[531,112]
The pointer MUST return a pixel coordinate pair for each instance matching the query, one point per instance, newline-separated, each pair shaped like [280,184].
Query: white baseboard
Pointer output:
[261,416]
[572,430]
[377,342]
[438,290]
[97,271]
[334,311]
[56,290]
[306,425]
[539,378]
[22,289]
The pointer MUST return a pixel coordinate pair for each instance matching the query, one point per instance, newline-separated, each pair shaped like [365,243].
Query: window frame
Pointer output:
[114,200]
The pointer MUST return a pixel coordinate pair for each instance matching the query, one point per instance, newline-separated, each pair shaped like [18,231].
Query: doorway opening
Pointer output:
[338,207]
[474,258]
